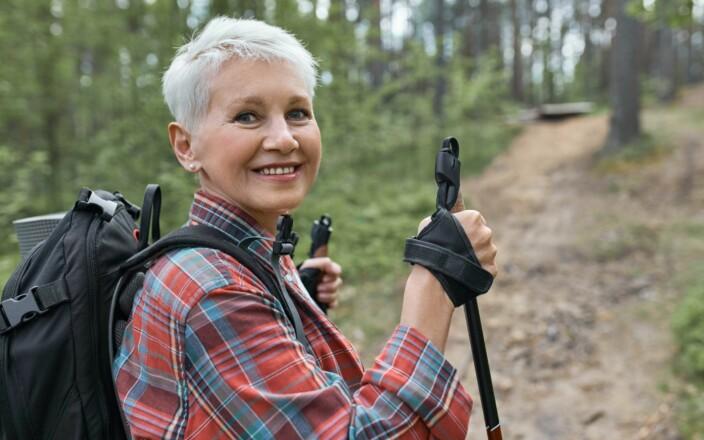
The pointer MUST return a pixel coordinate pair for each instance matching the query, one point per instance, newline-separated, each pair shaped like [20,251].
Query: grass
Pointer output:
[688,328]
[645,150]
[687,239]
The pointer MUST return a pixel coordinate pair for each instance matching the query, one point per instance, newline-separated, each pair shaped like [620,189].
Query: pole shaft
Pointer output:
[481,367]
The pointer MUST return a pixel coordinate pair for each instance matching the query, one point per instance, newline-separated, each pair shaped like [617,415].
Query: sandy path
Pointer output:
[577,323]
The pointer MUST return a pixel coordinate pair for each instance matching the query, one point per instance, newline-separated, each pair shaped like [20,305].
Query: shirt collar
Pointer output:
[209,209]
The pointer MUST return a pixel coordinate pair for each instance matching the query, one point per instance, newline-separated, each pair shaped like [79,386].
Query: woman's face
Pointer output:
[259,144]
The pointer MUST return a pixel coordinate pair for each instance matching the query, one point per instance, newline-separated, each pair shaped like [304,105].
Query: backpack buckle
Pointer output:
[286,239]
[15,311]
[89,200]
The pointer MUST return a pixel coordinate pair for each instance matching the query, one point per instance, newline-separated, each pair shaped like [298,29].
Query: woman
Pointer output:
[209,352]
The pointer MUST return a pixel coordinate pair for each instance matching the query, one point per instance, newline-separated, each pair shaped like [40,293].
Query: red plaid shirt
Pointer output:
[209,353]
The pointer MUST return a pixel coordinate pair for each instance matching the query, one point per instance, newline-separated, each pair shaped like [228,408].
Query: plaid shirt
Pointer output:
[209,353]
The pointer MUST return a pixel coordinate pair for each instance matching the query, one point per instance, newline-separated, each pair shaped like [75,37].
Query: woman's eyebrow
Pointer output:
[299,99]
[253,100]
[258,101]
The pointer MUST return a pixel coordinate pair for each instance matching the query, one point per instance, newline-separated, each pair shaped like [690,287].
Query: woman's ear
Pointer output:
[180,140]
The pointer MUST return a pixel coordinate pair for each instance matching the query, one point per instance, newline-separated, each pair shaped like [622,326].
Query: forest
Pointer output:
[81,106]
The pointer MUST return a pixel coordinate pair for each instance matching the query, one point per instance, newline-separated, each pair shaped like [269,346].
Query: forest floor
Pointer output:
[590,254]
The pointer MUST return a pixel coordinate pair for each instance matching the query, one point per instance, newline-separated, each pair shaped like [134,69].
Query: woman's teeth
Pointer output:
[280,170]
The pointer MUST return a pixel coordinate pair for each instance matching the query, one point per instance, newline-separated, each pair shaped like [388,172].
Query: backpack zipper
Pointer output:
[93,287]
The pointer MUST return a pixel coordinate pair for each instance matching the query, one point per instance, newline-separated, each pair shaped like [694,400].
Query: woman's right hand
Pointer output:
[479,234]
[426,306]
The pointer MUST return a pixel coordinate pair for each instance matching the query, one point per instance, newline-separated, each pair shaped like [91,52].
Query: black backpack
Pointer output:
[65,308]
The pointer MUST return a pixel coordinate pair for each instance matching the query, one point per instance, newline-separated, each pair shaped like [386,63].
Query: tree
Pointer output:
[440,58]
[517,67]
[624,81]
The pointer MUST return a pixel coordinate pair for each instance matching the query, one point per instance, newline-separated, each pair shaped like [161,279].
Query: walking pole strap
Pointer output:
[443,248]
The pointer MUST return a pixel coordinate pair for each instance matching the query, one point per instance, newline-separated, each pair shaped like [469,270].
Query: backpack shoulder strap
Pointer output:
[208,237]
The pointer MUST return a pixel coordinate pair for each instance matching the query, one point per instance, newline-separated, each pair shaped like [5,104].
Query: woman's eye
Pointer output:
[299,114]
[245,117]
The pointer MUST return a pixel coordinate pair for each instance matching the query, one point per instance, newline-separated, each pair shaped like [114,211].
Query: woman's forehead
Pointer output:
[257,81]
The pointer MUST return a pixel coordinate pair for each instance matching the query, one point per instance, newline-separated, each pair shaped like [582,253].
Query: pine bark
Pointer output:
[376,63]
[624,82]
[517,68]
[440,61]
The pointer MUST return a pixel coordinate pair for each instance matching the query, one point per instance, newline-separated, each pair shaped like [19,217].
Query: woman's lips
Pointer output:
[285,176]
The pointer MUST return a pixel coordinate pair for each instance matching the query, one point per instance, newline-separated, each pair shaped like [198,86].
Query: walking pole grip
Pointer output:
[320,236]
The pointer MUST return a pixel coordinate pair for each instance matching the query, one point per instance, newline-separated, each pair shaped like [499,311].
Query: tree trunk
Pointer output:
[441,77]
[470,34]
[624,83]
[532,94]
[495,27]
[667,65]
[548,74]
[517,70]
[608,10]
[587,58]
[689,66]
[484,23]
[376,64]
[53,108]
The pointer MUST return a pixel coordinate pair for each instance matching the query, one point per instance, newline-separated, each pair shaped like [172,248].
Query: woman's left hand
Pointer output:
[330,279]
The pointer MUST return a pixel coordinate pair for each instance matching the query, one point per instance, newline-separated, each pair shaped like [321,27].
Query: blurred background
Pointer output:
[580,123]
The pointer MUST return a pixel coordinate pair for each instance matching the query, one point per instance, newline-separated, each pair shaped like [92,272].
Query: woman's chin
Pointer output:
[280,207]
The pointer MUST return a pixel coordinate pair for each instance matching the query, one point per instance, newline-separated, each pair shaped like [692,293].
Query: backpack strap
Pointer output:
[209,237]
[151,208]
[28,305]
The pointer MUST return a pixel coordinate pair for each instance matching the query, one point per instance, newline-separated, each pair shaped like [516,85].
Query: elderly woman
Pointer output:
[209,353]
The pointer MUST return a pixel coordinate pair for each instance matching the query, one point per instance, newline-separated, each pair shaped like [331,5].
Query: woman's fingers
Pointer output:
[481,237]
[330,286]
[330,280]
[330,299]
[324,264]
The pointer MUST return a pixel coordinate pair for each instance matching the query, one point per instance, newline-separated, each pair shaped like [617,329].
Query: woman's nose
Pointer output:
[279,137]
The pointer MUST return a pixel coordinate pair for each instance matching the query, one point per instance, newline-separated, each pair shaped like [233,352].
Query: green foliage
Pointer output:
[688,328]
[688,325]
[675,13]
[23,192]
[645,149]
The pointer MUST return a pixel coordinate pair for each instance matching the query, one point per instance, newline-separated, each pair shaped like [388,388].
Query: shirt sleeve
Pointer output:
[249,376]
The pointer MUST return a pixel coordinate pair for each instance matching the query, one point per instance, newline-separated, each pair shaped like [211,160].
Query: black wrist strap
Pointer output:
[442,247]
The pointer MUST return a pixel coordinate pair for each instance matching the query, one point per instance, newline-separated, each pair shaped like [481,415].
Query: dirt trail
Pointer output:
[577,323]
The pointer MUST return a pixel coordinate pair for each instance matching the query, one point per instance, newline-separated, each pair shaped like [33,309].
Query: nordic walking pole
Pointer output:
[471,309]
[320,235]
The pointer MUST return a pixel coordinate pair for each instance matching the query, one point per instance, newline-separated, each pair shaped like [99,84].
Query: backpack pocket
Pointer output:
[70,421]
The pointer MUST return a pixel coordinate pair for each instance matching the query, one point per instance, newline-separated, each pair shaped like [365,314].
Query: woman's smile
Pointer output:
[284,172]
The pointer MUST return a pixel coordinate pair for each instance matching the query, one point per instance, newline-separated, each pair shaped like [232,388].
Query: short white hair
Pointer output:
[186,83]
